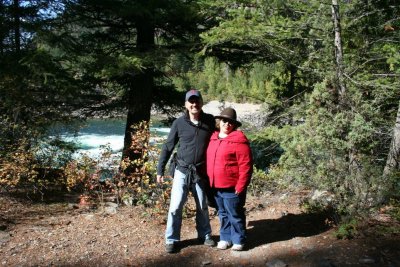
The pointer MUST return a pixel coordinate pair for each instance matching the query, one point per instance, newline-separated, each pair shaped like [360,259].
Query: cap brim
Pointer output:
[199,97]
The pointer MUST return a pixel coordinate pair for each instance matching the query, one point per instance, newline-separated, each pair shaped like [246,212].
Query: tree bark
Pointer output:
[141,90]
[338,48]
[291,84]
[2,27]
[392,162]
[355,183]
[17,23]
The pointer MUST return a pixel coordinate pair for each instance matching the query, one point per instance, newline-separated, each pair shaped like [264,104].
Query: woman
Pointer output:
[229,167]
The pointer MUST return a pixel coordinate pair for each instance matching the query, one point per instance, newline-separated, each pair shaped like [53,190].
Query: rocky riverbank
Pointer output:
[249,114]
[246,112]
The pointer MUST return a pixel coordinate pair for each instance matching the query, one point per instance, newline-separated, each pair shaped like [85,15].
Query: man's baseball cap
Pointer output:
[191,93]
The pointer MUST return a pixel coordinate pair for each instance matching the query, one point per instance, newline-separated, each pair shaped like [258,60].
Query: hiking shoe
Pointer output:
[237,247]
[170,248]
[208,241]
[224,244]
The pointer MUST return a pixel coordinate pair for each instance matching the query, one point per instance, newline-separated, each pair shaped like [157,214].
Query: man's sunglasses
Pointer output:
[193,100]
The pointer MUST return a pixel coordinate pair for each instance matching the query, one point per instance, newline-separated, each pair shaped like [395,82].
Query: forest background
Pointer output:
[326,72]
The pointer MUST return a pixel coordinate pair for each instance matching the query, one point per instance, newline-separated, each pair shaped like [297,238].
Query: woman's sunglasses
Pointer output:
[227,121]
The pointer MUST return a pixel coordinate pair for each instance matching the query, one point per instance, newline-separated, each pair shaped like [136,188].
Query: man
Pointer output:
[193,131]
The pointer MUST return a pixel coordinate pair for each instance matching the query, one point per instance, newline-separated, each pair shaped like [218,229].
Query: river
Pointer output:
[98,133]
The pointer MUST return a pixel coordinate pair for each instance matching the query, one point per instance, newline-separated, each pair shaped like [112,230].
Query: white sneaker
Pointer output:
[237,247]
[223,244]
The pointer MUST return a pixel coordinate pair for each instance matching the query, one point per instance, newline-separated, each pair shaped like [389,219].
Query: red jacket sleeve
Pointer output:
[245,162]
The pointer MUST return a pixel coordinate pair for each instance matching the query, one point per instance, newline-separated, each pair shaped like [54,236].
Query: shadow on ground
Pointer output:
[287,227]
[262,232]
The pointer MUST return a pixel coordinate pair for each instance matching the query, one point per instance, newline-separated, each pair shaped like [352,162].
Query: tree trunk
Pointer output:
[291,84]
[355,182]
[392,162]
[141,91]
[338,48]
[17,23]
[2,27]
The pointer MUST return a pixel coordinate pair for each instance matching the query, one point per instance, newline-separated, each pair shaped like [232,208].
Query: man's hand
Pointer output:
[160,178]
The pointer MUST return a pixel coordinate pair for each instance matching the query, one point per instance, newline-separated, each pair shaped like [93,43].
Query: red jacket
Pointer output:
[229,161]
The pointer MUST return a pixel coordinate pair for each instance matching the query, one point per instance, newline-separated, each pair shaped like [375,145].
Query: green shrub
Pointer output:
[134,187]
[261,182]
[347,230]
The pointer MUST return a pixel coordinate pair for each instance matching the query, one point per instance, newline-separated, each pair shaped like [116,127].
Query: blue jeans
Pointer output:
[179,194]
[232,216]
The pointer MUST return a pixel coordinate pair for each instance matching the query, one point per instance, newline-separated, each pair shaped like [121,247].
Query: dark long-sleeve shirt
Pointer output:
[193,141]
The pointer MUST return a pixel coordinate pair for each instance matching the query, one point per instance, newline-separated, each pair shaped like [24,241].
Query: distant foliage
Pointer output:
[257,83]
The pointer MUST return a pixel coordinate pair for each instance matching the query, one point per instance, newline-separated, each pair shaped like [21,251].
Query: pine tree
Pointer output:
[123,48]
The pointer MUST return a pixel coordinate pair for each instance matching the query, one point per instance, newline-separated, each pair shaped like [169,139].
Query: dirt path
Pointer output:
[278,235]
